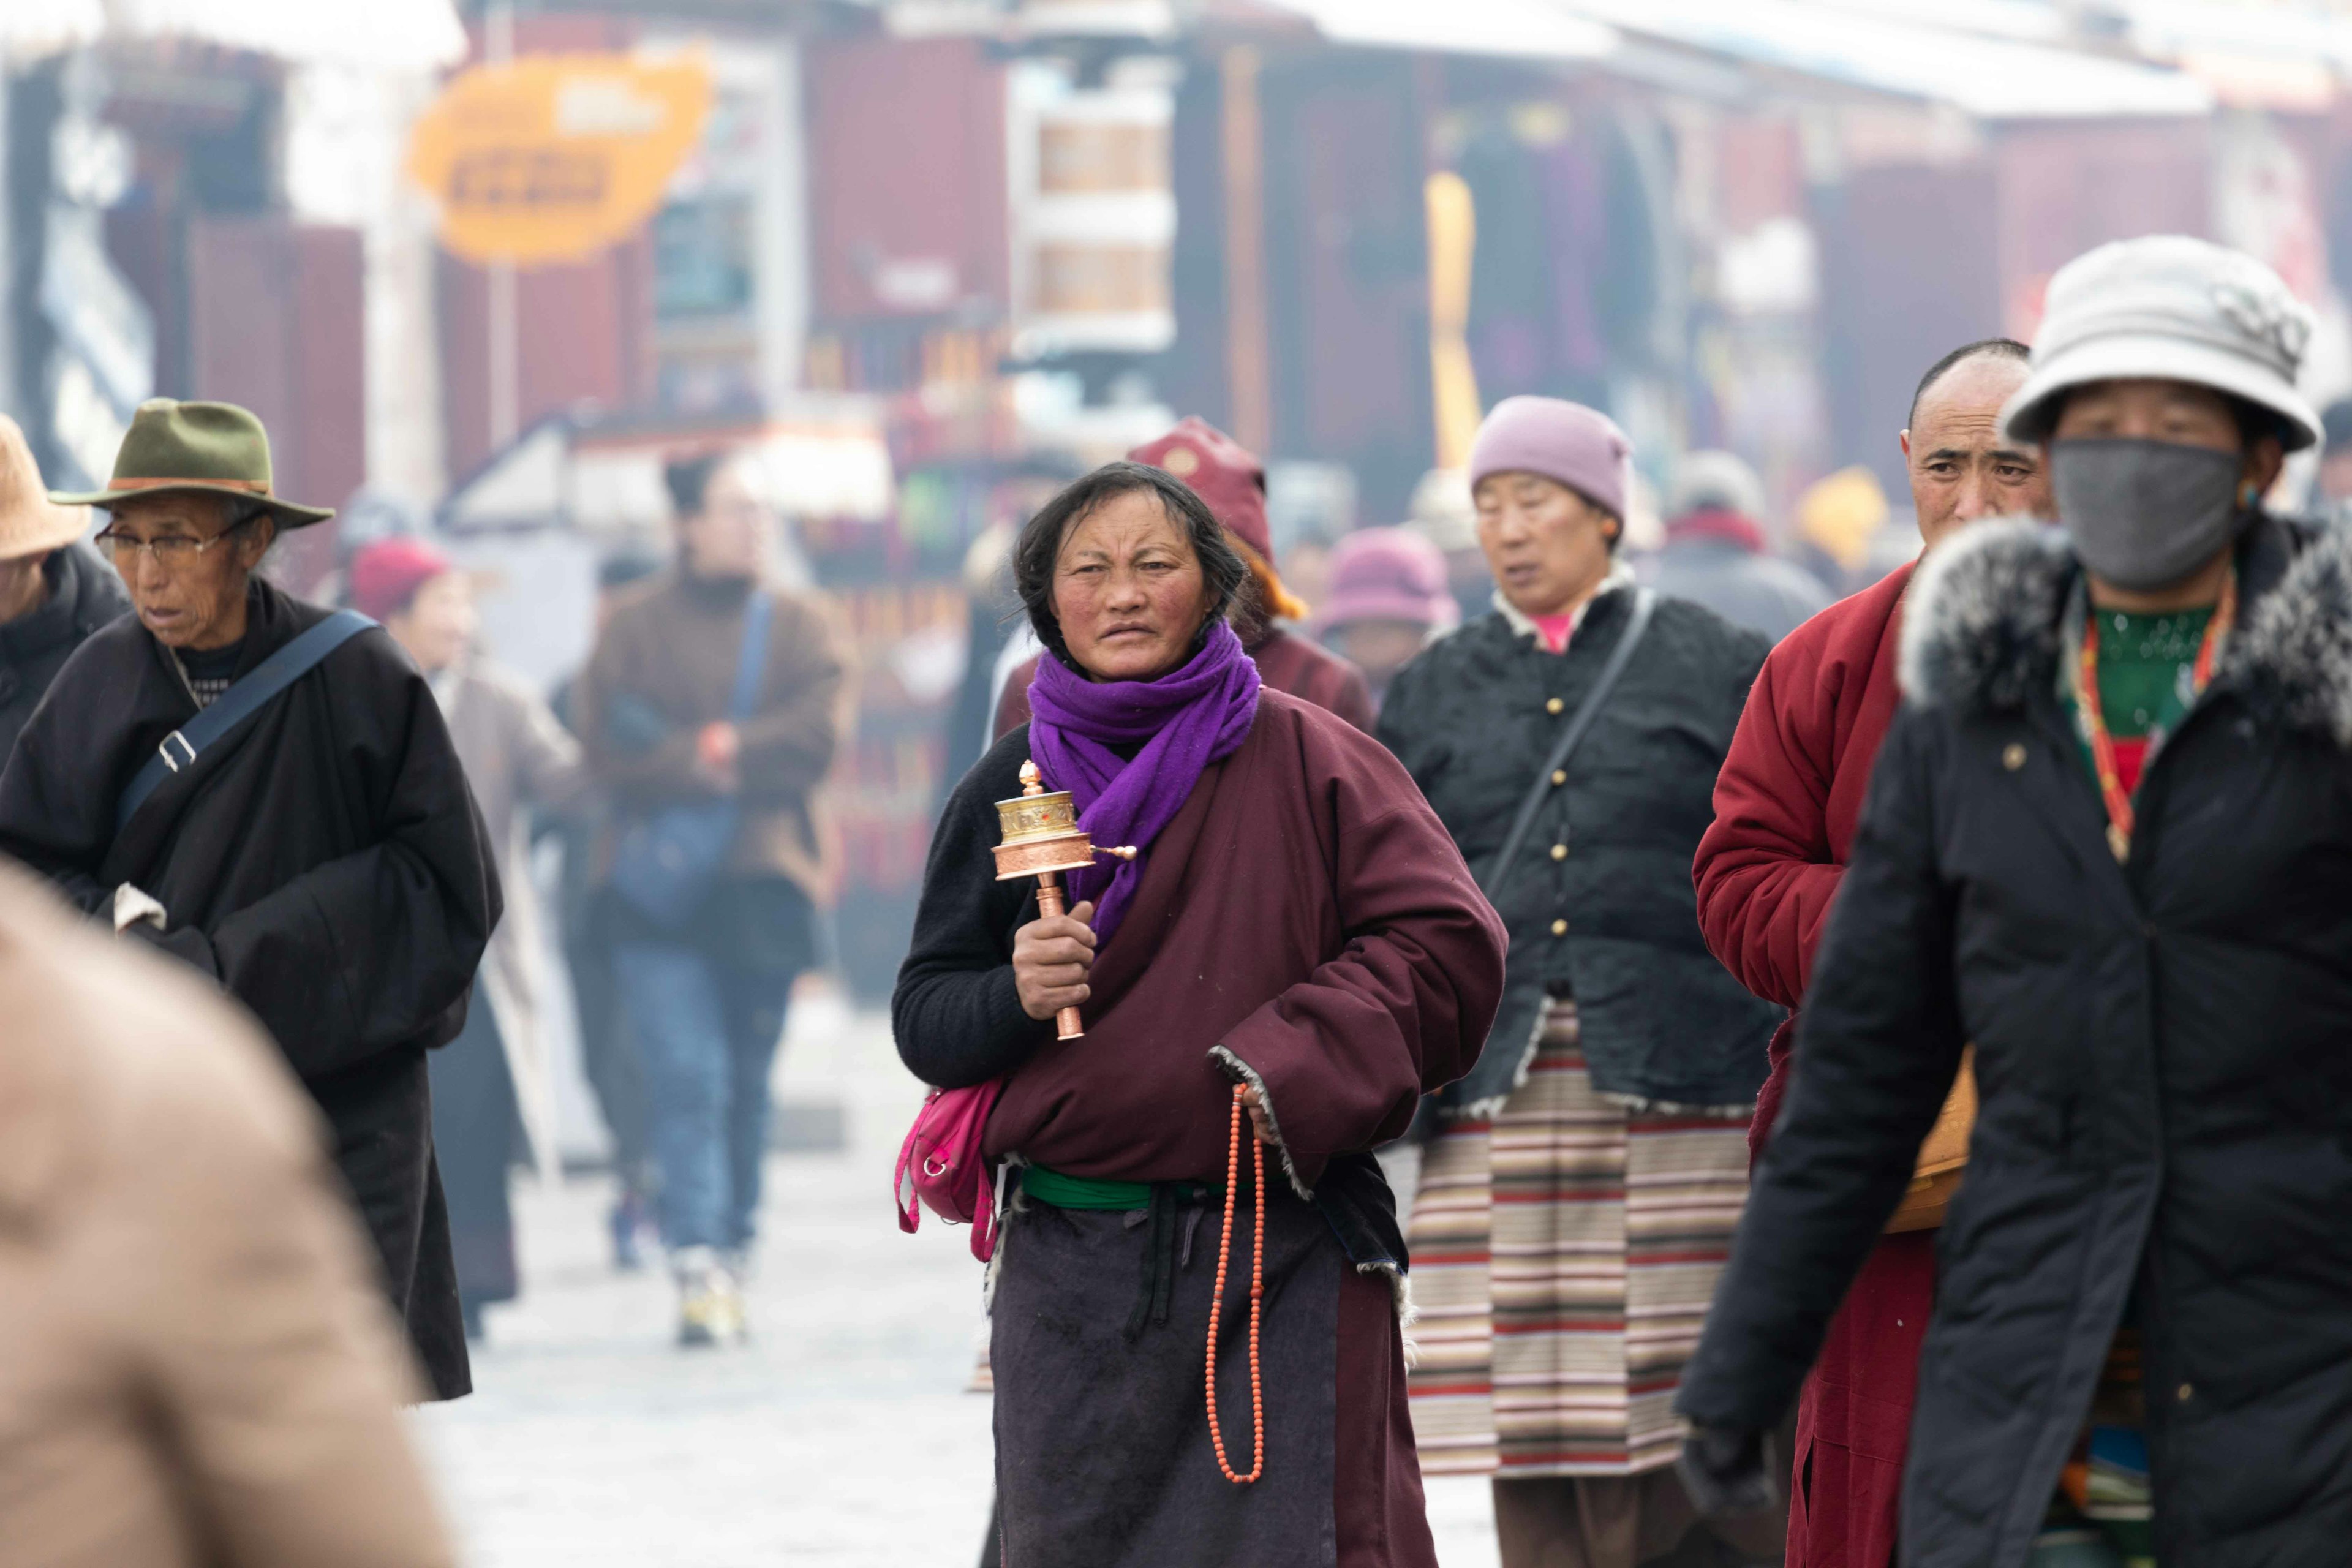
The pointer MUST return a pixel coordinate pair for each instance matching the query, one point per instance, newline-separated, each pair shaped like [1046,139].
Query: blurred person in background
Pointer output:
[2104,846]
[1586,1176]
[1442,513]
[710,712]
[321,860]
[197,1365]
[1787,804]
[2334,489]
[608,1051]
[1716,553]
[493,1090]
[1231,480]
[53,592]
[1388,598]
[1839,520]
[1312,1001]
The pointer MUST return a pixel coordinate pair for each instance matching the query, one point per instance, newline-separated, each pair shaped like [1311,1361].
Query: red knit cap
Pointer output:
[1228,476]
[385,575]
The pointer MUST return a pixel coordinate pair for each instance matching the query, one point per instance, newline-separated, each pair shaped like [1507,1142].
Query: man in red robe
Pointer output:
[1228,476]
[1786,806]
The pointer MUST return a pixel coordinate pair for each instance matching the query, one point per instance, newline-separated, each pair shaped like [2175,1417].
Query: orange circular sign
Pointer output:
[553,157]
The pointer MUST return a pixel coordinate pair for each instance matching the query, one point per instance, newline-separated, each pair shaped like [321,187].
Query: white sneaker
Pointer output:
[709,1307]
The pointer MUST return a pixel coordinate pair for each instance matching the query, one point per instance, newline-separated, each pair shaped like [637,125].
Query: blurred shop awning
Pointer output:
[1884,50]
[823,455]
[1518,29]
[383,34]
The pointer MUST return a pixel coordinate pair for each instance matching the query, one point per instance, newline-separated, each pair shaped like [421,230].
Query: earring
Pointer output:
[2248,494]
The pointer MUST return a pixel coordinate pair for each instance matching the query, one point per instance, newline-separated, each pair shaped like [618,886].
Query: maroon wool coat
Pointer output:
[1786,806]
[1285,663]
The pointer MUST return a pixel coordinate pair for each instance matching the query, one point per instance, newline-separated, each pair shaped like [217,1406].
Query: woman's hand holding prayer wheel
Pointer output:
[1051,958]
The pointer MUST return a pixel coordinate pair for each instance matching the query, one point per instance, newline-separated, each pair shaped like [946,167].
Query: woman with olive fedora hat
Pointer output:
[53,591]
[2108,841]
[267,791]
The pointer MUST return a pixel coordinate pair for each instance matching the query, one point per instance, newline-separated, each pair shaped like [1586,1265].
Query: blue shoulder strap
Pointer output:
[752,660]
[265,680]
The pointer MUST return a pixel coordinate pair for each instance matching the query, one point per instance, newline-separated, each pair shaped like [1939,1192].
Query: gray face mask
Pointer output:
[2144,514]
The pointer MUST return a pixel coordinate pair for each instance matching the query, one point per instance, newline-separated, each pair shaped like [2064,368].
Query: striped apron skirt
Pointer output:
[1563,1259]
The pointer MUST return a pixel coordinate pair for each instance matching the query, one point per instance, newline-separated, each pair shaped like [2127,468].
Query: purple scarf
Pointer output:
[1196,714]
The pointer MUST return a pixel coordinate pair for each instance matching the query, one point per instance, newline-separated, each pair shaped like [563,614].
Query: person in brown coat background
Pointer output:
[197,1365]
[493,1088]
[1228,476]
[685,718]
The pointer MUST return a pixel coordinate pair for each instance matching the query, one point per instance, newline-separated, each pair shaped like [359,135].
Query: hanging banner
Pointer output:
[553,157]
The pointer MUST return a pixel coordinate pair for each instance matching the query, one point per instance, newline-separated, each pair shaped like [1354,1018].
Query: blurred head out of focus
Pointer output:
[1388,595]
[423,600]
[2335,462]
[32,529]
[726,530]
[1123,570]
[1549,480]
[186,555]
[1963,470]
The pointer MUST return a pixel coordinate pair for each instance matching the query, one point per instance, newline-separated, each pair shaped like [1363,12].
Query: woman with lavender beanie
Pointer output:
[1298,935]
[1586,1176]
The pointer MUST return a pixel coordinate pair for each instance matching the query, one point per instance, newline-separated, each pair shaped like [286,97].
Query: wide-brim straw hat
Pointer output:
[2169,308]
[30,523]
[203,448]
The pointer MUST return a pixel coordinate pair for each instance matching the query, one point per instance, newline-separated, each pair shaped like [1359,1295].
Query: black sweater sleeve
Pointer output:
[955,1012]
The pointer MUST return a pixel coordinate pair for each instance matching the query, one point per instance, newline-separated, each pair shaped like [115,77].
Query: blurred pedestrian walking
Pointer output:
[1717,552]
[1229,477]
[197,1365]
[1298,949]
[1585,1177]
[493,1090]
[1389,599]
[1838,522]
[268,793]
[710,710]
[53,592]
[1787,804]
[2103,846]
[609,1057]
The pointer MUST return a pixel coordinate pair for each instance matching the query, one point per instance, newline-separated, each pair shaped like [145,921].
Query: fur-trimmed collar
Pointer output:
[1981,626]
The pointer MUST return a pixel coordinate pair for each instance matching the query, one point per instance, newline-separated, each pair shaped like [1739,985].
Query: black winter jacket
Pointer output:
[323,862]
[85,593]
[1600,903]
[2164,1056]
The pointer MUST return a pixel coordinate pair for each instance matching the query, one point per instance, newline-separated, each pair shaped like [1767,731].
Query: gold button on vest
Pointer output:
[1560,928]
[1554,706]
[1559,851]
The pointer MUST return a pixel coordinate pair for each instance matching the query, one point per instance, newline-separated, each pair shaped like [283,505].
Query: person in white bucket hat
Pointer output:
[2106,844]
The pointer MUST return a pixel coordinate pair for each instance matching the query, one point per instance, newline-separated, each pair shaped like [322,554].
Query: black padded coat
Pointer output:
[2164,1056]
[1600,903]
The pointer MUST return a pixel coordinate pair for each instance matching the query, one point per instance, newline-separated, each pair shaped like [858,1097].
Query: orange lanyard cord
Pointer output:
[1257,1299]
[2121,814]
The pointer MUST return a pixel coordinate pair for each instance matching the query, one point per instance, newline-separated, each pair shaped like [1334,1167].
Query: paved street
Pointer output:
[841,1436]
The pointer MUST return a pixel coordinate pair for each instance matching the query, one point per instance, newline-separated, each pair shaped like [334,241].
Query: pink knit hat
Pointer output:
[1388,575]
[1581,448]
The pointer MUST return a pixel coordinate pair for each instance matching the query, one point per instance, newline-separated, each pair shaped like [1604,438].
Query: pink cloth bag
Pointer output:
[941,1168]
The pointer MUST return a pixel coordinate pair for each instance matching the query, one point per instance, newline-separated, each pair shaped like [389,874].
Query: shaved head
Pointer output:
[1962,469]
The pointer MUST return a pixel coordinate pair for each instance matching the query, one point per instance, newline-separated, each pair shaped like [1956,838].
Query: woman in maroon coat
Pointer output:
[1786,806]
[1298,936]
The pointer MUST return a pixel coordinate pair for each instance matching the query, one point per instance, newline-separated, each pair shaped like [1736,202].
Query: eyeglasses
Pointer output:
[168,550]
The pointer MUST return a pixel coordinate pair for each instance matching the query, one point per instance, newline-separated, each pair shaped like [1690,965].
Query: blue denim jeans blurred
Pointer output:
[706,1032]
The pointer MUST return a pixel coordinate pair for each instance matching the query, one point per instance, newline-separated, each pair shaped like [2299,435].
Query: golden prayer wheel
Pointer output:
[1043,839]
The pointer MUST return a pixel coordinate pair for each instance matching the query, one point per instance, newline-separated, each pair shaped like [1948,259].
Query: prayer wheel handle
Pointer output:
[1066,1024]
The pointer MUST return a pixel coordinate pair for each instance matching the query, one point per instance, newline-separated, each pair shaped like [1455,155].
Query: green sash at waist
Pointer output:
[1051,1186]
